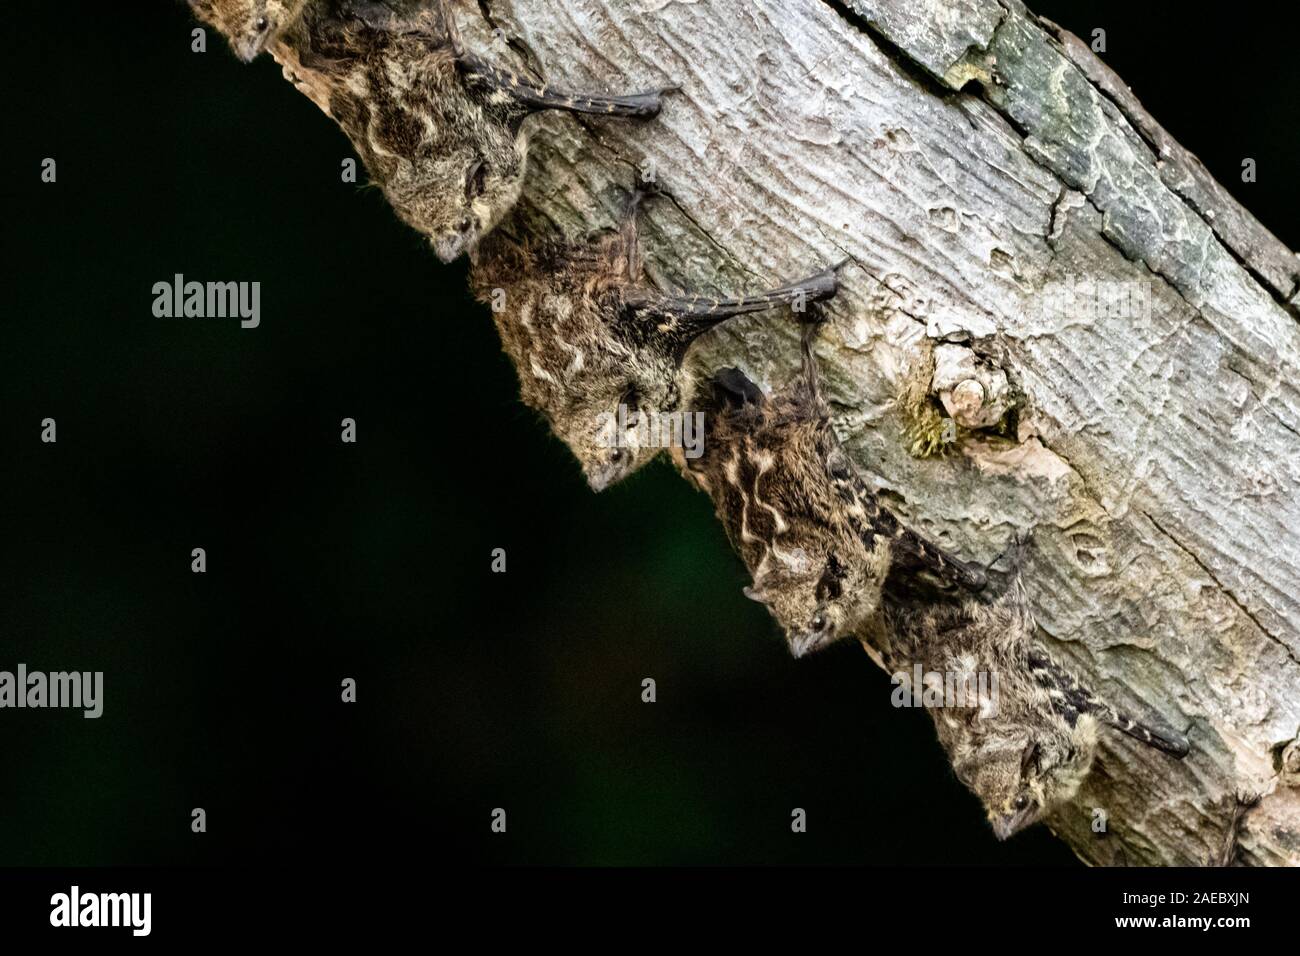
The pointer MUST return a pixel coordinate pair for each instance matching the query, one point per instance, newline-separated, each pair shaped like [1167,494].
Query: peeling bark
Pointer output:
[975,162]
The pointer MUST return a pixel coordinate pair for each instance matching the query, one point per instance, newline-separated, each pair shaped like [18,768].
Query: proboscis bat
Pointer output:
[440,130]
[589,337]
[1025,748]
[814,537]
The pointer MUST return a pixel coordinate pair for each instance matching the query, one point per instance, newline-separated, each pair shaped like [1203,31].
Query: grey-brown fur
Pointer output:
[249,25]
[1024,749]
[814,537]
[439,129]
[587,335]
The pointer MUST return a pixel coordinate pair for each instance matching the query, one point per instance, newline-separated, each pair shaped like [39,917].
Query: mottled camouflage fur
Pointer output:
[814,537]
[587,335]
[439,129]
[1025,749]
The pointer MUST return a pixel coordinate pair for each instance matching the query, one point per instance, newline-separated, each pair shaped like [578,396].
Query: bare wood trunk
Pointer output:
[976,162]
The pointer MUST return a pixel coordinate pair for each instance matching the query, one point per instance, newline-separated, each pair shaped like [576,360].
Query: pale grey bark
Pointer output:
[970,159]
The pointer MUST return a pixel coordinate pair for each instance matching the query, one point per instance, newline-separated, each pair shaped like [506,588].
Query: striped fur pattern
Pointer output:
[1026,749]
[814,537]
[439,129]
[587,335]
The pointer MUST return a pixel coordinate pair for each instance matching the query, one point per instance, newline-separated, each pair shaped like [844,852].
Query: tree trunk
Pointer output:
[984,172]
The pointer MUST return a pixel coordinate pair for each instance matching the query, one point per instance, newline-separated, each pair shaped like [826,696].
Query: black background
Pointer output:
[371,560]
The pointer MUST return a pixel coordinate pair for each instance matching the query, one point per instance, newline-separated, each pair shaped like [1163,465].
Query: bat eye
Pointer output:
[261,25]
[617,455]
[1021,803]
[463,225]
[820,622]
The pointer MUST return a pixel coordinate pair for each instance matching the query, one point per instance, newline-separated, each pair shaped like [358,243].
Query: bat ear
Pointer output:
[756,593]
[453,31]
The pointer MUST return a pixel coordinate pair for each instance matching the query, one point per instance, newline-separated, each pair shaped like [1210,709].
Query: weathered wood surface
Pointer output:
[972,160]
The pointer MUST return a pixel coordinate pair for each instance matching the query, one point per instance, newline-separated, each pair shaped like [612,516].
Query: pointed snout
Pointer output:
[609,472]
[1009,824]
[249,50]
[801,645]
[450,248]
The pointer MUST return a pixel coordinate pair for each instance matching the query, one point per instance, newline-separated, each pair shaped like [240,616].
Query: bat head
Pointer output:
[819,591]
[249,25]
[459,197]
[1021,772]
[627,413]
[605,390]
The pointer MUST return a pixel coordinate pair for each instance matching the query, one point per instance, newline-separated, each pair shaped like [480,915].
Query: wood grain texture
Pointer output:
[973,160]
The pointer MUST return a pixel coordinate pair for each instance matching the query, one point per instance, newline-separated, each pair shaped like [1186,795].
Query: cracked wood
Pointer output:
[969,157]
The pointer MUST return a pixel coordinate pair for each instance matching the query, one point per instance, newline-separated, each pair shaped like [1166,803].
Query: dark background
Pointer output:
[372,560]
